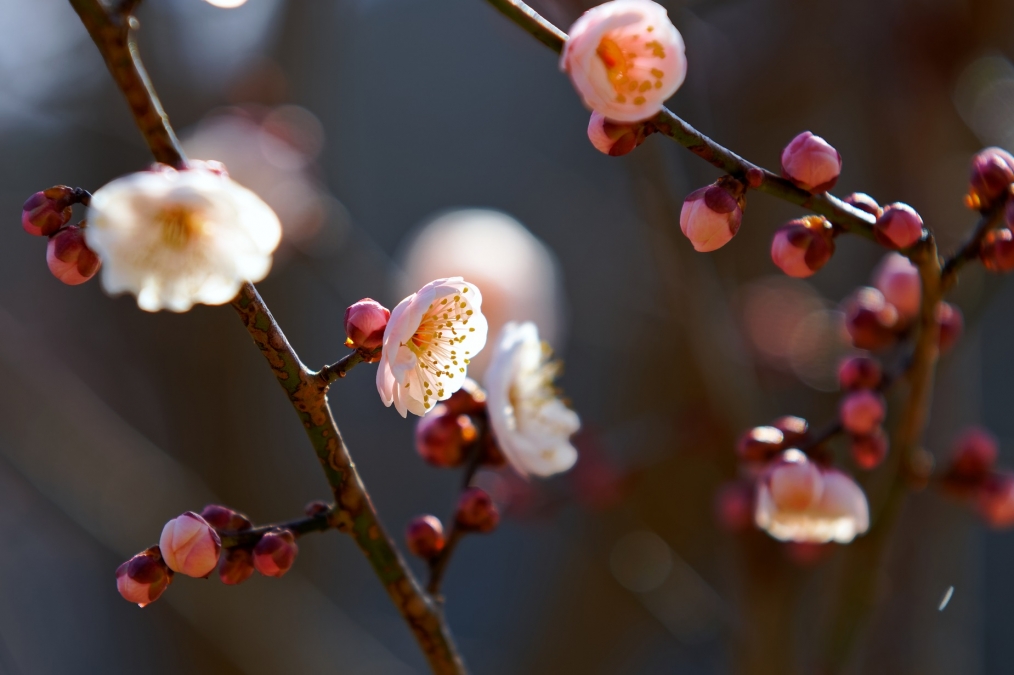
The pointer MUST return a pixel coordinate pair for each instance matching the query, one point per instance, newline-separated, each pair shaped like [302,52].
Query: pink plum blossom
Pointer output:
[190,545]
[365,322]
[811,163]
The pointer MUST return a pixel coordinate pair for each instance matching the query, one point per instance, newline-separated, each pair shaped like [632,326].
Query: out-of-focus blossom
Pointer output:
[190,545]
[859,372]
[811,163]
[952,325]
[995,501]
[898,279]
[870,319]
[143,578]
[625,58]
[476,511]
[711,216]
[69,258]
[275,552]
[869,450]
[972,459]
[432,336]
[615,138]
[46,212]
[864,202]
[365,322]
[425,536]
[991,175]
[861,411]
[532,426]
[899,226]
[797,501]
[997,251]
[175,238]
[236,567]
[803,246]
[441,437]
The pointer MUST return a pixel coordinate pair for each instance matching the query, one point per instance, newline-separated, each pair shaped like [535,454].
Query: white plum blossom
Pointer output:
[532,426]
[176,238]
[799,501]
[625,58]
[429,341]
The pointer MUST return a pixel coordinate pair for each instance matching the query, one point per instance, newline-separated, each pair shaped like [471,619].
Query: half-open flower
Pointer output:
[532,425]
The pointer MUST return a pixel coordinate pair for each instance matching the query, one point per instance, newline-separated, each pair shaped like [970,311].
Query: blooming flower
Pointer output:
[531,424]
[625,58]
[175,238]
[798,501]
[432,336]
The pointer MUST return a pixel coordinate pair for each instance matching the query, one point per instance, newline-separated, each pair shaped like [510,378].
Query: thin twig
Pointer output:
[317,523]
[338,370]
[438,566]
[969,249]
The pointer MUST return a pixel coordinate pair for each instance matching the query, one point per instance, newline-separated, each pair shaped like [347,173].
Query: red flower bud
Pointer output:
[899,226]
[864,202]
[972,459]
[997,250]
[236,567]
[365,322]
[615,138]
[46,212]
[760,444]
[469,400]
[442,437]
[869,451]
[870,319]
[995,501]
[859,372]
[275,552]
[898,279]
[861,412]
[69,258]
[476,511]
[734,505]
[811,163]
[225,519]
[793,428]
[143,578]
[952,325]
[991,174]
[425,537]
[711,216]
[803,246]
[190,546]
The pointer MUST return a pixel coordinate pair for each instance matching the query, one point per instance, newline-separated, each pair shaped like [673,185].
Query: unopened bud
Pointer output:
[952,325]
[69,258]
[734,506]
[236,567]
[859,372]
[898,279]
[476,511]
[425,536]
[365,322]
[711,216]
[991,174]
[899,226]
[224,519]
[811,163]
[143,578]
[972,459]
[803,246]
[870,319]
[997,250]
[46,212]
[864,202]
[275,552]
[760,444]
[615,138]
[861,412]
[869,451]
[190,546]
[793,428]
[442,437]
[996,501]
[469,400]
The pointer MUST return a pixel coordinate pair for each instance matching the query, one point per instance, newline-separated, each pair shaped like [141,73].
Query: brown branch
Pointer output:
[338,370]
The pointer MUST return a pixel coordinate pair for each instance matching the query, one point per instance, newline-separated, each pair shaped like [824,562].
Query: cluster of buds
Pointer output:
[862,410]
[971,476]
[48,214]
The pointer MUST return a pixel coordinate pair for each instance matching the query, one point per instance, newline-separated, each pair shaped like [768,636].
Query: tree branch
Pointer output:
[336,371]
[969,249]
[316,523]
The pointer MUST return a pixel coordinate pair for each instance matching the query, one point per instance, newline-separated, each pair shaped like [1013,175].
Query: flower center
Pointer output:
[179,224]
[621,69]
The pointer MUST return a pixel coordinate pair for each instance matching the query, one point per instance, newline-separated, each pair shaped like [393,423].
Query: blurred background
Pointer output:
[400,140]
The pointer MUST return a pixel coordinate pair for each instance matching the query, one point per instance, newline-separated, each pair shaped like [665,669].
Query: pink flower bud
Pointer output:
[972,459]
[870,319]
[859,372]
[811,163]
[997,250]
[996,501]
[615,138]
[236,567]
[625,58]
[425,537]
[870,450]
[442,437]
[224,519]
[734,505]
[711,216]
[803,246]
[899,226]
[190,546]
[46,212]
[69,258]
[365,322]
[143,578]
[476,511]
[275,552]
[991,174]
[793,428]
[898,279]
[864,202]
[760,444]
[861,412]
[795,482]
[952,325]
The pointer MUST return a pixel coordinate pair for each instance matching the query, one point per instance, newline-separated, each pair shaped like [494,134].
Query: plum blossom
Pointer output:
[799,501]
[189,545]
[532,426]
[625,58]
[175,238]
[429,341]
